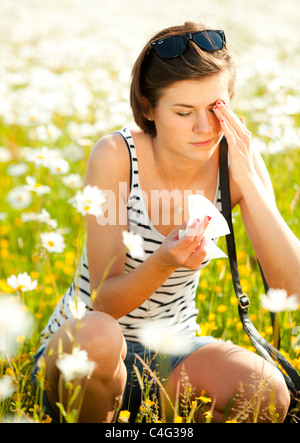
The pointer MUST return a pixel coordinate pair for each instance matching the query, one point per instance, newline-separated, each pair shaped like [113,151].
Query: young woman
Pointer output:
[181,88]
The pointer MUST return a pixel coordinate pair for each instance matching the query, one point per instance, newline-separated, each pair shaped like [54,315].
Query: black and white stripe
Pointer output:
[173,304]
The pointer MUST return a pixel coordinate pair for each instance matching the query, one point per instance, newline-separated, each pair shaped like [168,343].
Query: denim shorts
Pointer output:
[162,364]
[137,374]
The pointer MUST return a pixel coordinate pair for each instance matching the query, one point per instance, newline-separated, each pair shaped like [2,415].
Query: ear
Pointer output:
[147,109]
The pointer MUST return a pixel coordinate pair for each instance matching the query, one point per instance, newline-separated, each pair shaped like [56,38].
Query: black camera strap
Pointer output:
[267,351]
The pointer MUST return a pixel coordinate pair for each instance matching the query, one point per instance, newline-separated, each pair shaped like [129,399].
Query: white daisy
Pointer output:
[22,282]
[76,365]
[77,308]
[277,300]
[7,387]
[72,180]
[89,201]
[53,242]
[41,156]
[5,155]
[15,320]
[134,243]
[59,166]
[17,169]
[43,217]
[19,197]
[34,186]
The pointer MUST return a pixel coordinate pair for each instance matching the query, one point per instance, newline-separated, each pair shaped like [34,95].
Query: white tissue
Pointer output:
[199,207]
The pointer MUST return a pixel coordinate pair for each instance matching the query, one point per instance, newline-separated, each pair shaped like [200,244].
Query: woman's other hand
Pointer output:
[189,251]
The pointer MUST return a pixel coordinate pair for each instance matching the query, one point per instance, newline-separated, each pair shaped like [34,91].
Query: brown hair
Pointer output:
[151,74]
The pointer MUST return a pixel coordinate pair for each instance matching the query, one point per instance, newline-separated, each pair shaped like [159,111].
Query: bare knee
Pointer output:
[266,397]
[279,398]
[98,334]
[101,336]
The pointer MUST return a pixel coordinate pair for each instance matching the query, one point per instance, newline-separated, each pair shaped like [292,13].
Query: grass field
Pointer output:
[59,92]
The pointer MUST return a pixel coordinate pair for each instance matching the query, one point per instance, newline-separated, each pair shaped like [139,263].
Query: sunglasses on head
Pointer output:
[175,45]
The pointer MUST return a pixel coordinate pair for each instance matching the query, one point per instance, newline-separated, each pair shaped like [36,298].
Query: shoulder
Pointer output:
[112,147]
[108,161]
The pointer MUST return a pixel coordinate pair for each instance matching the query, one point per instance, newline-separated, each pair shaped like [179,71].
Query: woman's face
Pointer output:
[184,117]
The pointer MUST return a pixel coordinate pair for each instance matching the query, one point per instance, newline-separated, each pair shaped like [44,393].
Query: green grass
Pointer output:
[218,314]
[20,251]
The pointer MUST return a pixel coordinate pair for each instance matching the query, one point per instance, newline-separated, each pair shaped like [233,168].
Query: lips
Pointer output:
[202,143]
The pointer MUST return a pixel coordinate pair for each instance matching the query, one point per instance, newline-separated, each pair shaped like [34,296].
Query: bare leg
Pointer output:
[100,335]
[225,371]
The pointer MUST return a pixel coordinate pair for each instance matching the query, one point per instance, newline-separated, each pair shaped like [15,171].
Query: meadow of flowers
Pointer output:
[64,76]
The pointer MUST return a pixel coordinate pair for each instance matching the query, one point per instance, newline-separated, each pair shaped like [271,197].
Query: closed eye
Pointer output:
[183,114]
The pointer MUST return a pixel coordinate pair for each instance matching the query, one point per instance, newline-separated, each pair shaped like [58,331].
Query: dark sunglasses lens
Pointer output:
[209,40]
[170,47]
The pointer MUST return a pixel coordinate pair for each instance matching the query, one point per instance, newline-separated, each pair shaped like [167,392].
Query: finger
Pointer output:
[198,227]
[202,227]
[198,255]
[194,242]
[192,231]
[231,139]
[233,120]
[233,136]
[175,232]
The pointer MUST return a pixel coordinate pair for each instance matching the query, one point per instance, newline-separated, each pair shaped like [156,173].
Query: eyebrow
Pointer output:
[184,105]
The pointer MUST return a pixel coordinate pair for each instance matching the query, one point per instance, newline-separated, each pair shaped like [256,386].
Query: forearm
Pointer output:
[277,248]
[121,294]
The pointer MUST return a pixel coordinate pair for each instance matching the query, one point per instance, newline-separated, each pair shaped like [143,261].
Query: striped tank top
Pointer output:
[171,305]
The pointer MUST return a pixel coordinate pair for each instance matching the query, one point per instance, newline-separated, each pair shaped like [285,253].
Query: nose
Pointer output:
[202,124]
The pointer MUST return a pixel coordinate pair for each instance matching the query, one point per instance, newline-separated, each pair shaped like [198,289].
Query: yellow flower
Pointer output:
[233,300]
[3,230]
[48,290]
[58,264]
[124,416]
[4,287]
[47,419]
[245,270]
[245,285]
[70,258]
[20,338]
[49,278]
[149,402]
[239,326]
[34,274]
[241,256]
[4,243]
[201,297]
[69,270]
[204,399]
[208,415]
[222,308]
[269,330]
[178,419]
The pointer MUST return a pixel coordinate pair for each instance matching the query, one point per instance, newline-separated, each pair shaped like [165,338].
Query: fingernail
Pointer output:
[208,218]
[198,220]
[222,121]
[219,102]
